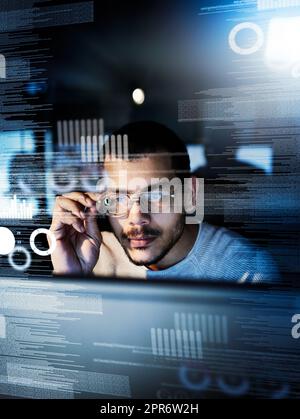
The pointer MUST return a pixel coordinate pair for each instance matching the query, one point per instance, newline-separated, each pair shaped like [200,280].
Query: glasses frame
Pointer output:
[132,198]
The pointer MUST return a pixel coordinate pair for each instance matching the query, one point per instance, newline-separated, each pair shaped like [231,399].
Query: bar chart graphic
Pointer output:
[87,136]
[96,149]
[213,327]
[190,332]
[173,343]
[69,132]
[15,209]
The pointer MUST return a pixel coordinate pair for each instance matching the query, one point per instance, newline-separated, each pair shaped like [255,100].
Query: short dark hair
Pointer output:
[150,138]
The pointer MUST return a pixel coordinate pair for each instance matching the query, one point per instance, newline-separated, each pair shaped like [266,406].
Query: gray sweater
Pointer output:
[218,254]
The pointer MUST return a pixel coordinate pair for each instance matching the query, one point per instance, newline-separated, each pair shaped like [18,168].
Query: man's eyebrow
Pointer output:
[126,191]
[117,190]
[146,189]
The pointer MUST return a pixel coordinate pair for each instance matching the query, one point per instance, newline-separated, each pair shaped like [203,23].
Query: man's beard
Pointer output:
[149,232]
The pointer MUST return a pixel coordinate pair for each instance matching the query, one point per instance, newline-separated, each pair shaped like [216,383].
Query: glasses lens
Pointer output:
[155,201]
[155,196]
[112,204]
[117,204]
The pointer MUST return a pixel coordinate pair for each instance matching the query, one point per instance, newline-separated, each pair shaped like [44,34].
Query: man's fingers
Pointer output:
[88,199]
[95,196]
[91,225]
[69,210]
[80,197]
[70,220]
[69,205]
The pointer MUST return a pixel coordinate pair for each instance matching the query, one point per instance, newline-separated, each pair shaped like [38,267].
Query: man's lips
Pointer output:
[137,242]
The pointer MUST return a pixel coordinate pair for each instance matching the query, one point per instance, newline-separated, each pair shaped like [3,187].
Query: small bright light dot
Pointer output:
[138,96]
[7,241]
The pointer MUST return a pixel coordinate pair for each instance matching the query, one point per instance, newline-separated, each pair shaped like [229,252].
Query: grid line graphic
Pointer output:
[276,4]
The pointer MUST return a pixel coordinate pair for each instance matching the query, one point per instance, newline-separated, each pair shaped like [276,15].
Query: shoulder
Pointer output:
[234,257]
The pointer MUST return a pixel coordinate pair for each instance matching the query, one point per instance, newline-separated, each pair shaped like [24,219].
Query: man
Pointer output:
[149,244]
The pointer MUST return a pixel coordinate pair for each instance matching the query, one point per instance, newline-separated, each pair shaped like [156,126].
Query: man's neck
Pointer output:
[180,250]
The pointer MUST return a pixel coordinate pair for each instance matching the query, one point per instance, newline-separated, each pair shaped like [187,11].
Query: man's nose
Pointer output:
[136,216]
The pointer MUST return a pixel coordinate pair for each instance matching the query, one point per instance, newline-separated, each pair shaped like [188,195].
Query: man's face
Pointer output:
[145,237]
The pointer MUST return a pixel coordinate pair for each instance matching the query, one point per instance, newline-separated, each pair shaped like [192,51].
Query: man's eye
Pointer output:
[107,202]
[155,196]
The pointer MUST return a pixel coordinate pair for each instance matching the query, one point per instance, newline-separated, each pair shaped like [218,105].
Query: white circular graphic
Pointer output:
[33,246]
[7,241]
[26,265]
[138,96]
[250,50]
[69,187]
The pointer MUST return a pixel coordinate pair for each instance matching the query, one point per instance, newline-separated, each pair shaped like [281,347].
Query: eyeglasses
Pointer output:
[119,204]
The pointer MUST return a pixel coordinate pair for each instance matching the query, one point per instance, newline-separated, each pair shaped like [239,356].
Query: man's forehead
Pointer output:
[138,172]
[148,164]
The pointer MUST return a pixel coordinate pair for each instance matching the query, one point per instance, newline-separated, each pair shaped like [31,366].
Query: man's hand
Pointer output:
[78,238]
